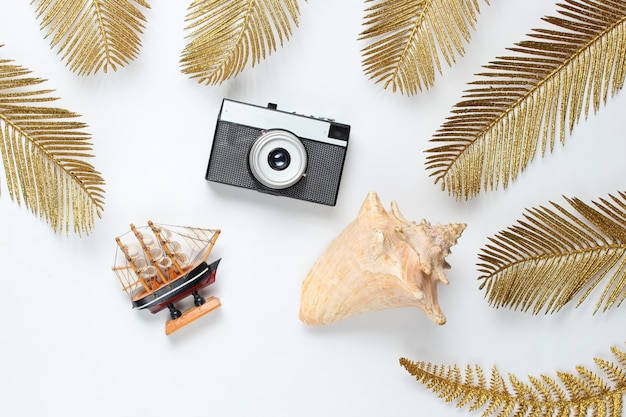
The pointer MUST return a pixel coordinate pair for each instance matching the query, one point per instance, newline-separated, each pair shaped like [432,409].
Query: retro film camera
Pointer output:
[280,153]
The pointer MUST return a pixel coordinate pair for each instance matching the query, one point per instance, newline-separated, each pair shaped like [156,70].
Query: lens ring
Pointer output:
[261,168]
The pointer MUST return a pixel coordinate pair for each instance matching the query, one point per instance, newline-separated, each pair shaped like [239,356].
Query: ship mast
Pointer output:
[165,247]
[130,260]
[146,250]
[211,244]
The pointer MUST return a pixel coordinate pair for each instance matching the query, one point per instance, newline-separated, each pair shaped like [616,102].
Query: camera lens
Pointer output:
[279,159]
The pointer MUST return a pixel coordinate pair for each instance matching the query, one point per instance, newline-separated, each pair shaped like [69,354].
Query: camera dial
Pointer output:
[277,159]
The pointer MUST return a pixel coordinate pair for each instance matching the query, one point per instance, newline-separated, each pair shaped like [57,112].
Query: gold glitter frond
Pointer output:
[571,395]
[527,100]
[93,35]
[553,255]
[43,152]
[226,34]
[409,36]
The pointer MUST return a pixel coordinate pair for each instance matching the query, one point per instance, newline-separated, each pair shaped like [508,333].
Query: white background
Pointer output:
[70,343]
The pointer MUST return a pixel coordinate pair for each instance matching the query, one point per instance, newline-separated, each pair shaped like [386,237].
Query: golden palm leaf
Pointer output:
[411,35]
[553,255]
[529,99]
[43,152]
[571,394]
[93,35]
[226,34]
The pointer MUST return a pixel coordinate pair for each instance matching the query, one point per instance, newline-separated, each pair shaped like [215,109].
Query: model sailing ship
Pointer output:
[159,265]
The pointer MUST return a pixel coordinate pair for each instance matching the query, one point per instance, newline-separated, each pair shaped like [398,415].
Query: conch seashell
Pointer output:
[379,261]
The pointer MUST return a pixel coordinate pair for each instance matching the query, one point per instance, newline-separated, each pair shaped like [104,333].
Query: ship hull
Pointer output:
[199,277]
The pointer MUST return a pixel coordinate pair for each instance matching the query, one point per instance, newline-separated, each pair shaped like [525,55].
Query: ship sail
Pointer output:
[152,256]
[197,238]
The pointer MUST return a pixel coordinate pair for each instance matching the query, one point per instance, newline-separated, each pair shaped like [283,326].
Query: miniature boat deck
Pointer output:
[192,314]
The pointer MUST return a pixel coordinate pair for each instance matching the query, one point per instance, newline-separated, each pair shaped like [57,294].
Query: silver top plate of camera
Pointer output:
[250,115]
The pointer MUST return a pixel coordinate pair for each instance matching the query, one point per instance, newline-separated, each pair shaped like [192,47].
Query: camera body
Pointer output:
[276,152]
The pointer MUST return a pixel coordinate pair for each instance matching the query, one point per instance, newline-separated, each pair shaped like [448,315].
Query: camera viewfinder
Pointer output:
[339,131]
